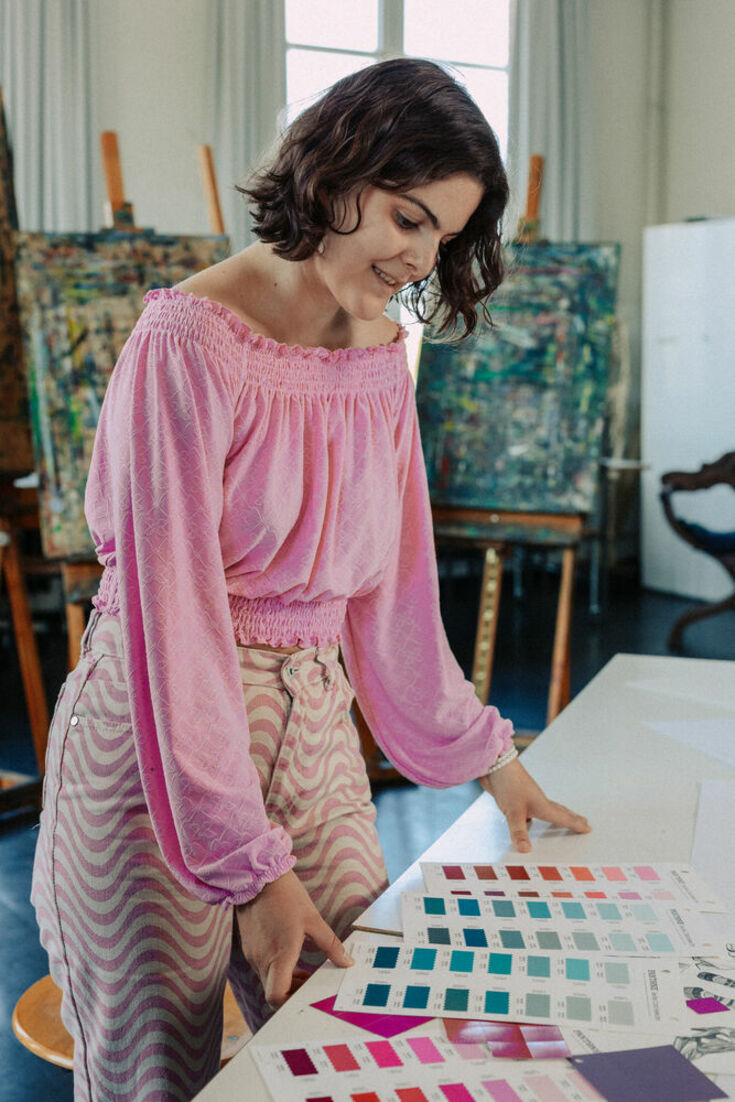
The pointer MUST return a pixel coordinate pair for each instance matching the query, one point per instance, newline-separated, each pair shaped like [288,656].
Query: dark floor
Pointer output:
[409,818]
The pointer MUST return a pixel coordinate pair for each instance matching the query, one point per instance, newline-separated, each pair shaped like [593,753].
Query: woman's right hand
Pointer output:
[273,927]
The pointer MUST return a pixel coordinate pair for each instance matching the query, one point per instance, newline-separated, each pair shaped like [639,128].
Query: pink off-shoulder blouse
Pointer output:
[243,491]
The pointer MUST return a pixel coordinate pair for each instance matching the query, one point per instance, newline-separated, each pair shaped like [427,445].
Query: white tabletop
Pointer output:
[621,753]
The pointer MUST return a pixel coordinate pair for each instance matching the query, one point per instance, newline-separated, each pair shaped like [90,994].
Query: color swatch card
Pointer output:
[412,1069]
[664,882]
[707,1039]
[516,986]
[562,925]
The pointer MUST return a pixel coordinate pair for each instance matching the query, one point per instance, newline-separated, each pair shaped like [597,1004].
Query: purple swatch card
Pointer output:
[658,1074]
[385,1025]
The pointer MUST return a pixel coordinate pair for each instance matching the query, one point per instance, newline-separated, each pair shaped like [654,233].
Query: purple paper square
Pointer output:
[659,1074]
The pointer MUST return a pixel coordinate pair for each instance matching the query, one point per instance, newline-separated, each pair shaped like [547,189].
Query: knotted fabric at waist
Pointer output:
[293,672]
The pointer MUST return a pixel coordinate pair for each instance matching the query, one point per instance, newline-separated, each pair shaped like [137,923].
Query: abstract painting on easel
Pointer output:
[80,296]
[15,439]
[512,418]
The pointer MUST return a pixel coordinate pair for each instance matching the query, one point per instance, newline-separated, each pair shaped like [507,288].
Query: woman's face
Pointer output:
[396,242]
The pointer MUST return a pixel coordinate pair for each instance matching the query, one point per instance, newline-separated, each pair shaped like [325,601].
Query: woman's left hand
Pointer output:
[520,799]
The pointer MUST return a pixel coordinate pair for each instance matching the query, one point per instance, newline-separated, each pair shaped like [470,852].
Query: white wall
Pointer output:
[665,148]
[621,40]
[664,125]
[153,87]
[700,111]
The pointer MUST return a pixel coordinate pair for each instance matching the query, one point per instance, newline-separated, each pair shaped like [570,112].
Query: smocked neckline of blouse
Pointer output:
[248,336]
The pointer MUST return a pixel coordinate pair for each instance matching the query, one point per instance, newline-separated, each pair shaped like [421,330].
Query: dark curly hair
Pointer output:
[395,125]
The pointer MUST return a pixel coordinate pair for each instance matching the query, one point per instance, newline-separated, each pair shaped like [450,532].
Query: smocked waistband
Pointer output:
[256,620]
[298,623]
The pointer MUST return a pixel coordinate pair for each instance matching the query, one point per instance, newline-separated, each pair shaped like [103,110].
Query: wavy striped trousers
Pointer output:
[141,962]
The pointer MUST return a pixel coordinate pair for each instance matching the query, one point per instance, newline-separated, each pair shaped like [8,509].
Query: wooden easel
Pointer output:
[81,576]
[209,184]
[528,224]
[496,532]
[16,789]
[18,508]
[378,768]
[119,211]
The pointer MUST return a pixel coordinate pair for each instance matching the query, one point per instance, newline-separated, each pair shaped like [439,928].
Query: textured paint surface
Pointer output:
[80,295]
[15,436]
[513,417]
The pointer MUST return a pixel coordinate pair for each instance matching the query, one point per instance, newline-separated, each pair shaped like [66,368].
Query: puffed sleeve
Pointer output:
[422,711]
[160,454]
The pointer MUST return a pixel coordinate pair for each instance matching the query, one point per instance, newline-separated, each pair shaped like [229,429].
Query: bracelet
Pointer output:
[504,759]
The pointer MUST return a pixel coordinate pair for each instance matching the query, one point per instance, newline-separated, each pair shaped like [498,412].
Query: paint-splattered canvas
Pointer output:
[80,296]
[513,418]
[8,210]
[15,437]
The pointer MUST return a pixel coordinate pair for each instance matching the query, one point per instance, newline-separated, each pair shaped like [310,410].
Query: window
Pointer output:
[327,39]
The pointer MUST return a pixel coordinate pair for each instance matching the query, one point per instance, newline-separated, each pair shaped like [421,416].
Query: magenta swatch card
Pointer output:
[385,1025]
[708,1005]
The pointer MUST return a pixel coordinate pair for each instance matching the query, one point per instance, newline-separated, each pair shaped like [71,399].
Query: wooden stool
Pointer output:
[37,1024]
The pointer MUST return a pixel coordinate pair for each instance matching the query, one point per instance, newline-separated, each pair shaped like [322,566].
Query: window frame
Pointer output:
[390,44]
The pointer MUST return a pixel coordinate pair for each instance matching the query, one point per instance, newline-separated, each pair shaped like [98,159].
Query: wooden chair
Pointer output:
[38,1026]
[720,545]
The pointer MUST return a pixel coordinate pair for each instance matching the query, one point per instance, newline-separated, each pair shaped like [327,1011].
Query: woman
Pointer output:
[258,498]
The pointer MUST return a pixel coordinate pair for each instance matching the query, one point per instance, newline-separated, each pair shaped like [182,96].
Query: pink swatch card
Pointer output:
[511,1040]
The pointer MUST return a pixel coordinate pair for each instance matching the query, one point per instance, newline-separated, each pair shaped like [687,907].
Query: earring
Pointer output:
[320,247]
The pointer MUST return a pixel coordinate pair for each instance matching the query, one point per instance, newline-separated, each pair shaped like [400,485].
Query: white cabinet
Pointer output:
[687,394]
